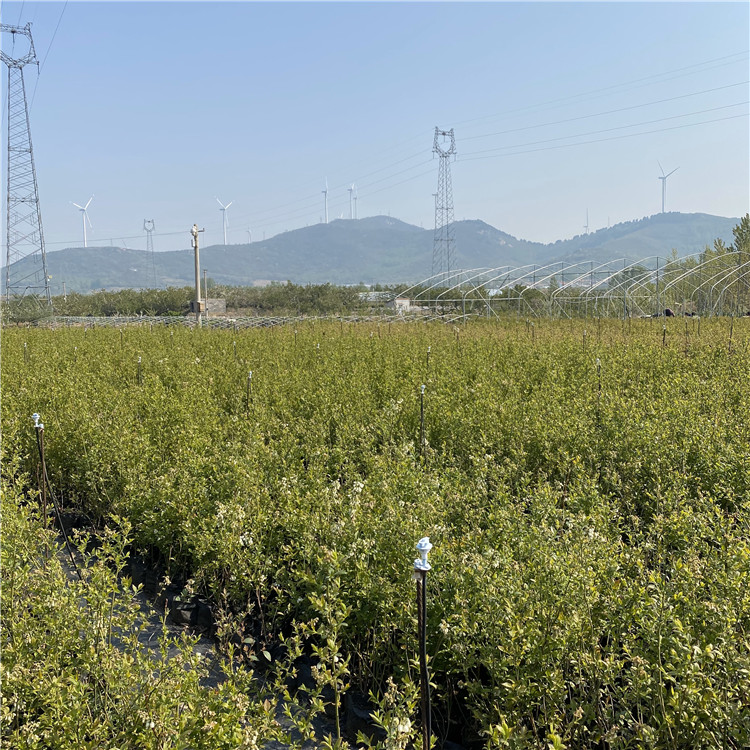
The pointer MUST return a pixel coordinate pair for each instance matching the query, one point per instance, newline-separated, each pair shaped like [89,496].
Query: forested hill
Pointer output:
[378,249]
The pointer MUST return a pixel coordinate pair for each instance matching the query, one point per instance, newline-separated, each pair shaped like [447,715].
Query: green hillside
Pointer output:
[378,249]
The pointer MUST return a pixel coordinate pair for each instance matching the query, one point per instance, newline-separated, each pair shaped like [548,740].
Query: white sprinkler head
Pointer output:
[423,387]
[423,547]
[36,419]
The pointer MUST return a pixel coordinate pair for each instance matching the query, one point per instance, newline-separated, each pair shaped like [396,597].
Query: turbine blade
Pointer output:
[660,167]
[90,199]
[228,205]
[673,171]
[85,213]
[77,206]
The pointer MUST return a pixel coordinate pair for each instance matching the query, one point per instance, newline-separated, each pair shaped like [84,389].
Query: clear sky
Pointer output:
[559,109]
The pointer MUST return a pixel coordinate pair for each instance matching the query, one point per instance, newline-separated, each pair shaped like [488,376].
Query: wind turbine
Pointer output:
[663,179]
[84,217]
[325,198]
[223,210]
[351,211]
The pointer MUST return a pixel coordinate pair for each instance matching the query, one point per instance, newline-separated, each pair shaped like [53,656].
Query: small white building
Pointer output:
[400,304]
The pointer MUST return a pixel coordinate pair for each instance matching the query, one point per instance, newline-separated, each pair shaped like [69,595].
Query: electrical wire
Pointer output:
[612,138]
[606,130]
[46,54]
[606,112]
[625,86]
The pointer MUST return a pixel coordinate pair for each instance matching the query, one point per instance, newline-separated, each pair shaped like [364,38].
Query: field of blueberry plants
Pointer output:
[586,486]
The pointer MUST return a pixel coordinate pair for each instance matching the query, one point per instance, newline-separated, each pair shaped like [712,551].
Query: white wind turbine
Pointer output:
[663,179]
[224,216]
[84,217]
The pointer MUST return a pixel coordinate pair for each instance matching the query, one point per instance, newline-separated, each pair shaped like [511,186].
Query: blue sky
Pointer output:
[559,109]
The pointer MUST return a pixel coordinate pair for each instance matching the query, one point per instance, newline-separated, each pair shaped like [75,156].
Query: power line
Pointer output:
[625,86]
[46,54]
[608,130]
[606,112]
[612,138]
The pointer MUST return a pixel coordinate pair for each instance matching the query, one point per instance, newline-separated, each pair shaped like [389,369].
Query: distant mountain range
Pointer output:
[376,249]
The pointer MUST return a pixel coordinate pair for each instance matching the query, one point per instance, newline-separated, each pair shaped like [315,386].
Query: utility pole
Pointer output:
[198,304]
[205,291]
[148,228]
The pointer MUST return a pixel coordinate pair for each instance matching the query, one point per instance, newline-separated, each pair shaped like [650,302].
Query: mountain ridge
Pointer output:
[378,249]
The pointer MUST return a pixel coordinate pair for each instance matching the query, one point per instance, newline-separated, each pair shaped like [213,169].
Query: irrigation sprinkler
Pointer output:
[234,346]
[421,420]
[25,353]
[122,345]
[664,336]
[249,390]
[599,389]
[421,566]
[429,349]
[75,354]
[39,427]
[140,373]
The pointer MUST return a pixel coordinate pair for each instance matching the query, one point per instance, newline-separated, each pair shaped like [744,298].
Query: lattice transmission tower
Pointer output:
[443,246]
[25,239]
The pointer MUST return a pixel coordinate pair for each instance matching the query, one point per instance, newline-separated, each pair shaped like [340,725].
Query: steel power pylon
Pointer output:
[25,238]
[443,242]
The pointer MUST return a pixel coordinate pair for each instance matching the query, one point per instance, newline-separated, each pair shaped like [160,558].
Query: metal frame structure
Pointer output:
[443,250]
[24,235]
[698,284]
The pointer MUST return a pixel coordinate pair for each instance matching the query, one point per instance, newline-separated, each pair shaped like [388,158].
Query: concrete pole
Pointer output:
[198,318]
[205,291]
